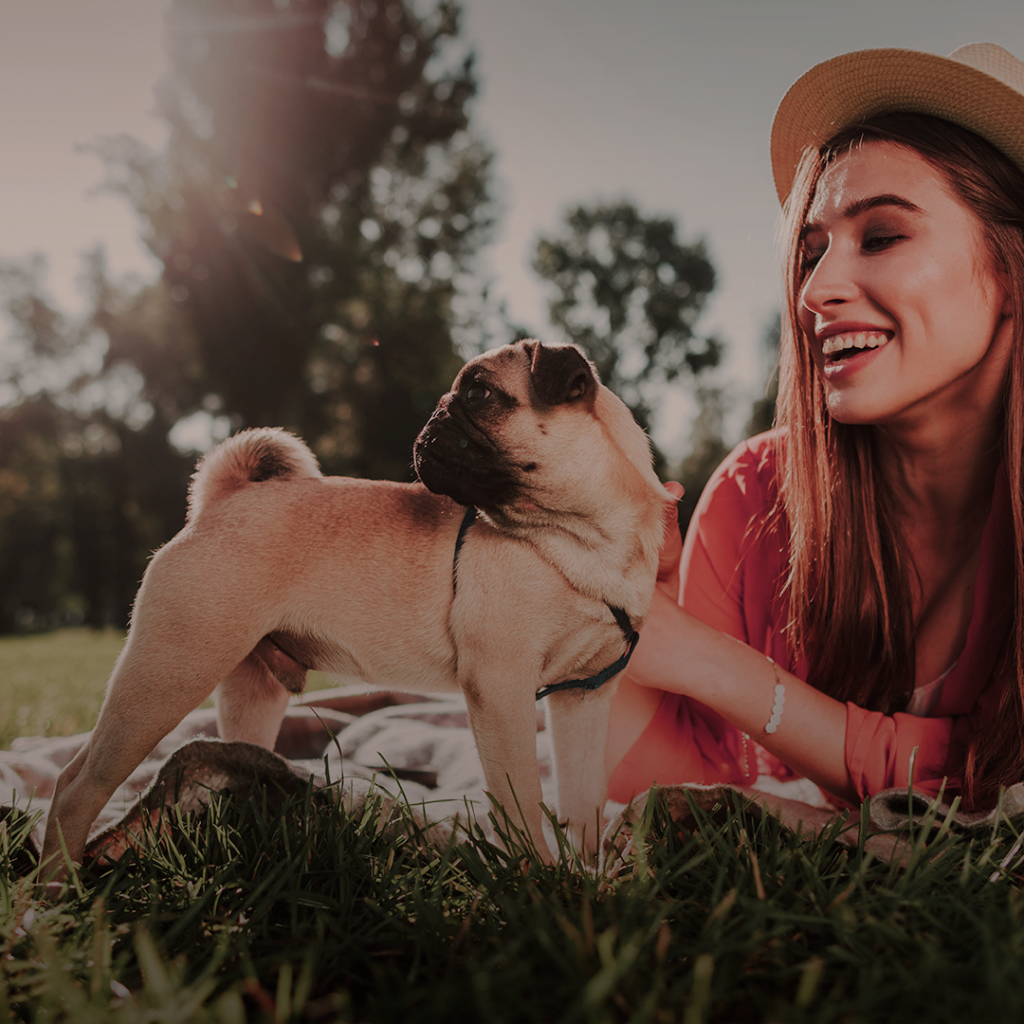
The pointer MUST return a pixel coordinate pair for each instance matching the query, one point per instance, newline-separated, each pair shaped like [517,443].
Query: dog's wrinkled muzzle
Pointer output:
[453,456]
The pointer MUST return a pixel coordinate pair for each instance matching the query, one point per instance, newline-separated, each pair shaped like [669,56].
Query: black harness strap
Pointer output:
[602,677]
[467,521]
[591,682]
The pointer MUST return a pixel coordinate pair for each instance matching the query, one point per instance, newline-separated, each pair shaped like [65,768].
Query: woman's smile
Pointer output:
[847,347]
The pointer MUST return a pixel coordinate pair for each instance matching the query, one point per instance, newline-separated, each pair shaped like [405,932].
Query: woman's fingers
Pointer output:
[672,542]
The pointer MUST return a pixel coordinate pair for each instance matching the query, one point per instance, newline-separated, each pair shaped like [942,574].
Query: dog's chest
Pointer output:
[521,613]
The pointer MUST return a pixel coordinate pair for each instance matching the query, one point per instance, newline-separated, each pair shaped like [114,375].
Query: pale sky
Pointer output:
[666,102]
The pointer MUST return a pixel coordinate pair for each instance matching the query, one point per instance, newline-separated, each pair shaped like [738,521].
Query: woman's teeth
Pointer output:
[856,339]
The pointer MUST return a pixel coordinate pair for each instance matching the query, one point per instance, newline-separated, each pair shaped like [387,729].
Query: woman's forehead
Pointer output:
[873,174]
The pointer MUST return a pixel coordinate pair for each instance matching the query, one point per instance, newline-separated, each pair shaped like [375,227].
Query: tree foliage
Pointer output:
[707,449]
[762,413]
[630,292]
[315,215]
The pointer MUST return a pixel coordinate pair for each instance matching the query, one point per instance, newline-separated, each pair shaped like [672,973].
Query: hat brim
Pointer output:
[854,86]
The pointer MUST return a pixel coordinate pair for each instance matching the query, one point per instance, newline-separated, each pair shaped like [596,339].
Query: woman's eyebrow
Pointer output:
[859,206]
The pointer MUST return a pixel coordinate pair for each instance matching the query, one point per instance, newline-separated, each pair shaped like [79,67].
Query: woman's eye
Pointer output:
[878,243]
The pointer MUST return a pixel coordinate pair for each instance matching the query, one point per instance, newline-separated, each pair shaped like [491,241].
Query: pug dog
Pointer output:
[279,570]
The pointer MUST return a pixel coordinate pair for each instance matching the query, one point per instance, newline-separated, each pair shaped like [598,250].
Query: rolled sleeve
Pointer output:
[883,751]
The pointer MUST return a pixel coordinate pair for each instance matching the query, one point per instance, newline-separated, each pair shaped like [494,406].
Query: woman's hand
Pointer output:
[659,657]
[671,545]
[679,653]
[653,660]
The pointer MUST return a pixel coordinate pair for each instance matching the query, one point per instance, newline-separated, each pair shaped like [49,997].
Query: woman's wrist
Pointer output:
[684,655]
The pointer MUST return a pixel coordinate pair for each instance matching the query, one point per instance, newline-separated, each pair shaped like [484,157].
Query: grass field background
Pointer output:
[312,913]
[309,914]
[52,684]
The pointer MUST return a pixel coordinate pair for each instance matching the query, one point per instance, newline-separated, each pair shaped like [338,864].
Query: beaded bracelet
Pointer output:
[778,705]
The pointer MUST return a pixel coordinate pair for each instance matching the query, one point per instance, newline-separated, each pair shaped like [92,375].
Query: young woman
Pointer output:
[849,604]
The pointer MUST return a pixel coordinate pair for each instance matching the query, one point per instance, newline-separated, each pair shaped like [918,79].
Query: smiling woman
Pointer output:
[871,546]
[900,295]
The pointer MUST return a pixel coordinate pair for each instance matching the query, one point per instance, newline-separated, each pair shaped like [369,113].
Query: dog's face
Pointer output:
[512,430]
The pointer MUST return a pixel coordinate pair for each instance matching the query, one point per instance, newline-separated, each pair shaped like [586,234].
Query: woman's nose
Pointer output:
[830,283]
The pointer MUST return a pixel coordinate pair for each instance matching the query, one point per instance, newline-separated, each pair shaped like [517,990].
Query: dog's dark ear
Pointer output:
[561,374]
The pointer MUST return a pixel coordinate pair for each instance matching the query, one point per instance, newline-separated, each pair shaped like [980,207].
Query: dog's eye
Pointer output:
[477,394]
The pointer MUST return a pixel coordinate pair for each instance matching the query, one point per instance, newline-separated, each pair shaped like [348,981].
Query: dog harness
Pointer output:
[593,682]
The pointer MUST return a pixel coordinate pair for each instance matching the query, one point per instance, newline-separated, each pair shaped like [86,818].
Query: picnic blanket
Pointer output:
[417,755]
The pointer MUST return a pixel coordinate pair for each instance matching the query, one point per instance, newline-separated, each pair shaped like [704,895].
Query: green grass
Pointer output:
[244,913]
[52,684]
[305,913]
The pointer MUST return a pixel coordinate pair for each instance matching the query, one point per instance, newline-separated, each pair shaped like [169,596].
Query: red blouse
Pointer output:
[730,580]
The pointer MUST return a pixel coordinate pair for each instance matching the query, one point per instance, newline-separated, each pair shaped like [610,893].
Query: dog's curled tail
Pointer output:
[251,456]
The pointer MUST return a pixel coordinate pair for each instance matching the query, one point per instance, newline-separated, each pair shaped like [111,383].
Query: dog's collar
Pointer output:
[591,682]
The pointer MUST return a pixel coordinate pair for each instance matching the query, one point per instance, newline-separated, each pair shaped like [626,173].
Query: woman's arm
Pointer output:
[716,610]
[681,654]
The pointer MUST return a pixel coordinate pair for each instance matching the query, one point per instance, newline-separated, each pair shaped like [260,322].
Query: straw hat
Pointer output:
[980,87]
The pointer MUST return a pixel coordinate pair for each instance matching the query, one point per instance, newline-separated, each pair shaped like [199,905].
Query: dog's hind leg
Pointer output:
[177,651]
[149,693]
[251,702]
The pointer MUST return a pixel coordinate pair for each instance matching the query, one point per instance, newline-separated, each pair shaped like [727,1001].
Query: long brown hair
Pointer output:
[850,581]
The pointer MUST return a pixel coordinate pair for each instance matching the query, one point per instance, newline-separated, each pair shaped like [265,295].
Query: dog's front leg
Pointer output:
[578,722]
[504,722]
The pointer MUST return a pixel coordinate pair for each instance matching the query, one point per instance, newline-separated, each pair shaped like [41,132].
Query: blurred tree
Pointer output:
[89,484]
[762,413]
[316,213]
[629,292]
[35,555]
[707,449]
[708,446]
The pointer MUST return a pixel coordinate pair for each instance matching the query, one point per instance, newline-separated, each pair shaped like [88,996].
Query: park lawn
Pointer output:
[307,913]
[52,684]
[252,912]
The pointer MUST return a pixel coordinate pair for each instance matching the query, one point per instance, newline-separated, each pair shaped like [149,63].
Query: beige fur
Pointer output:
[279,569]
